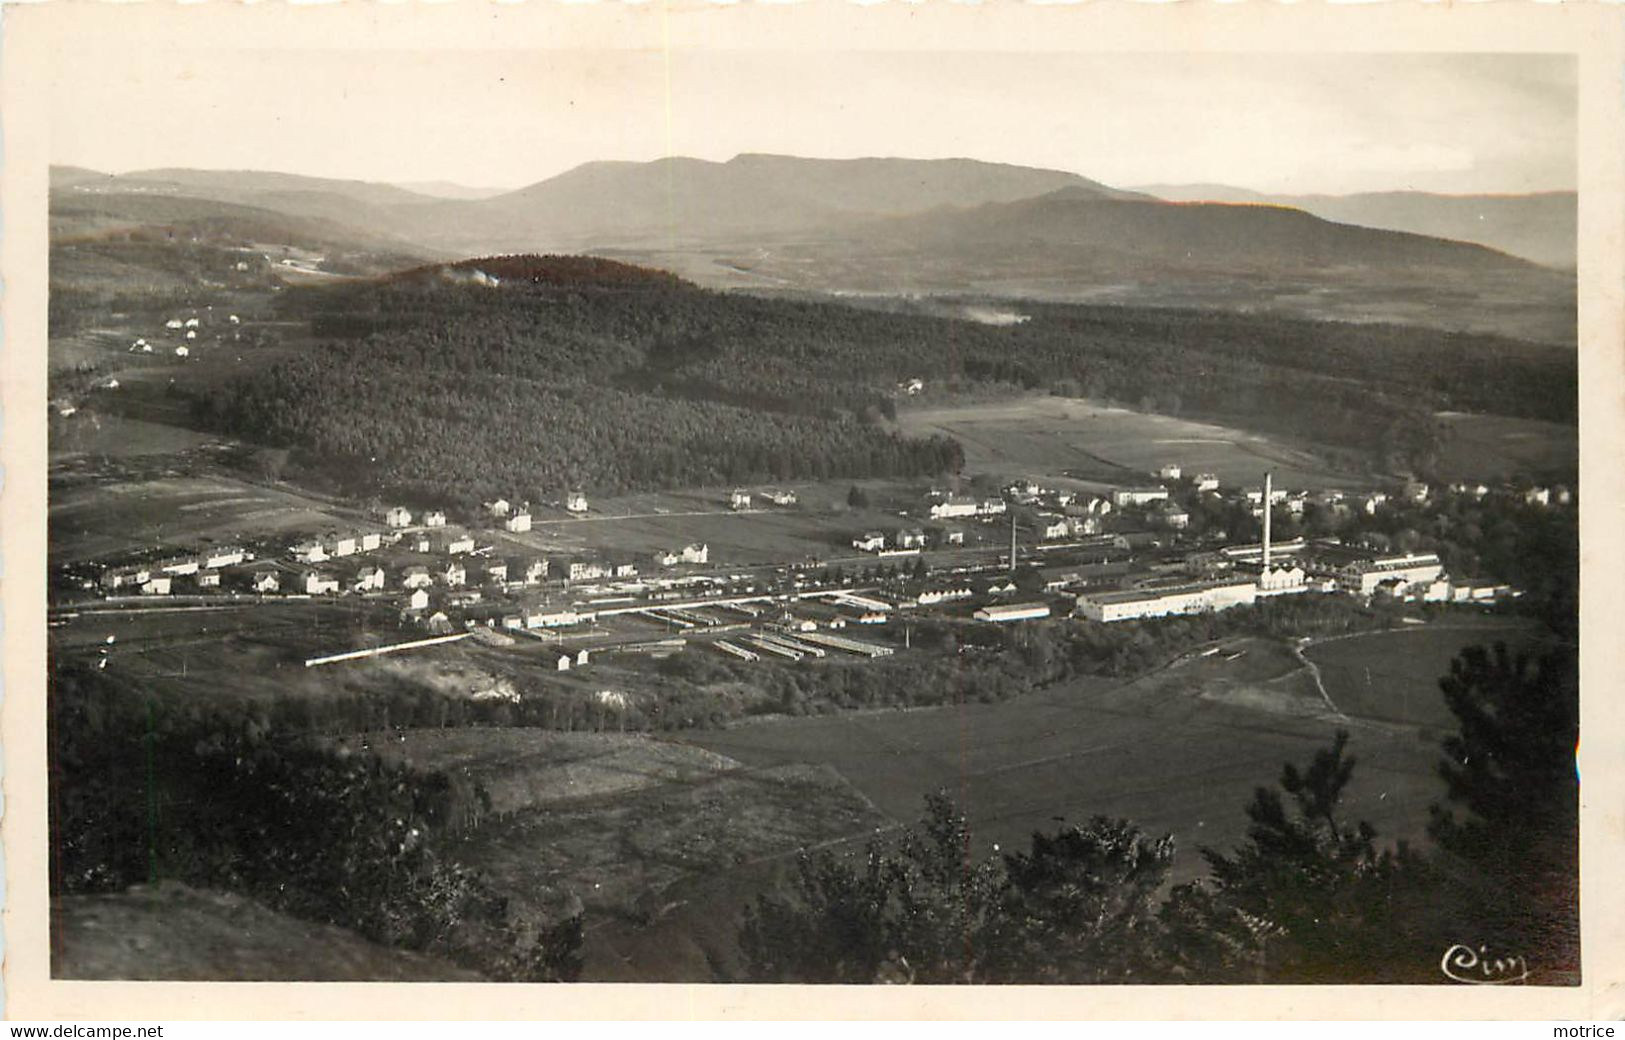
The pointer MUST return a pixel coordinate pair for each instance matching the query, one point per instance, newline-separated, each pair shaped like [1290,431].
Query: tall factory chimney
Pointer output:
[1267,511]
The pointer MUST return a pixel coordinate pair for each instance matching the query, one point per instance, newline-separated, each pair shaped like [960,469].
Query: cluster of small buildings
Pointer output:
[906,540]
[155,579]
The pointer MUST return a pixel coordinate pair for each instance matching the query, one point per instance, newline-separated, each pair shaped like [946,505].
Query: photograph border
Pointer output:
[38,45]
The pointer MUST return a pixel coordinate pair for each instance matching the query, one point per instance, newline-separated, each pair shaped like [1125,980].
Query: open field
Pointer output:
[94,516]
[617,851]
[1049,436]
[1179,751]
[537,768]
[1487,447]
[90,433]
[1394,676]
[175,933]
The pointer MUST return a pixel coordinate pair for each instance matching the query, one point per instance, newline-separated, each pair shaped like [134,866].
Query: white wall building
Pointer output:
[1195,598]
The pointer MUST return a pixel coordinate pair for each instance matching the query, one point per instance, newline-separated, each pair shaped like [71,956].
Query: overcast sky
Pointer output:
[1278,123]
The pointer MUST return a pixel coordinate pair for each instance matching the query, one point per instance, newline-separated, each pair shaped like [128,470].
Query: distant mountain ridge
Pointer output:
[886,225]
[1540,226]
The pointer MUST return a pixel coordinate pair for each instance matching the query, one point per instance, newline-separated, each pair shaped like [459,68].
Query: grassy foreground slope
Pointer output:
[173,932]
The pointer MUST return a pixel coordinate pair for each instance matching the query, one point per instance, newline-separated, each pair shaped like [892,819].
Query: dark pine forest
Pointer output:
[438,384]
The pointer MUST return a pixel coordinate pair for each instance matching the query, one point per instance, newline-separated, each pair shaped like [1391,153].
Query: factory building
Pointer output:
[1193,598]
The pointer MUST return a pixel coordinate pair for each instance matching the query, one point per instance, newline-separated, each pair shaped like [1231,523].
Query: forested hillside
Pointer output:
[522,375]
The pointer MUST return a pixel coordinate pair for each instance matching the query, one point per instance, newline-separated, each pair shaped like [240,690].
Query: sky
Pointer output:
[1282,123]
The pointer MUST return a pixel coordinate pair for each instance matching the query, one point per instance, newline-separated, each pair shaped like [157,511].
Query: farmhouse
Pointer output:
[316,583]
[991,507]
[421,543]
[434,518]
[576,502]
[209,579]
[179,566]
[416,578]
[156,585]
[453,574]
[368,541]
[225,556]
[1139,496]
[910,538]
[1206,482]
[535,571]
[266,581]
[518,523]
[739,499]
[498,508]
[953,506]
[692,553]
[1193,598]
[558,618]
[1051,526]
[460,544]
[1007,612]
[1173,516]
[1169,471]
[118,577]
[948,535]
[869,541]
[311,551]
[780,498]
[418,600]
[398,516]
[496,573]
[587,570]
[369,577]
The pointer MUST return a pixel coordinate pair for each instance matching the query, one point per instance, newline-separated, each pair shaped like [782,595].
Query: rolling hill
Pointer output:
[776,223]
[1541,227]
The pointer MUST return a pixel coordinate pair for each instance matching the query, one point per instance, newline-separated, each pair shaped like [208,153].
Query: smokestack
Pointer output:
[1012,543]
[1267,511]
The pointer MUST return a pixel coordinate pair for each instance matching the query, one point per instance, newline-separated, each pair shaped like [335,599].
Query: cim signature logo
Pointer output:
[1463,963]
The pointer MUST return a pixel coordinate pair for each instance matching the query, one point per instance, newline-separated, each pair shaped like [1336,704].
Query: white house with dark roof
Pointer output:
[398,516]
